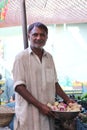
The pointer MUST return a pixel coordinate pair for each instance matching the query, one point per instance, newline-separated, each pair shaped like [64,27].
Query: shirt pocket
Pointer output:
[49,75]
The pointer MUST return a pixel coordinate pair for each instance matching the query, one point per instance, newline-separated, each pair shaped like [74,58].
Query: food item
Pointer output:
[6,109]
[62,107]
[74,107]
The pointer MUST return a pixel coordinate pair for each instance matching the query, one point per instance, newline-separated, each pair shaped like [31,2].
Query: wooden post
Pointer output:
[24,23]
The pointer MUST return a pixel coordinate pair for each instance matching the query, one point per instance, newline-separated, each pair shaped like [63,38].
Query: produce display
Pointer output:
[62,107]
[83,117]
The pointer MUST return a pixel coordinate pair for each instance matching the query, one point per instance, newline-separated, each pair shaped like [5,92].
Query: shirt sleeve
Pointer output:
[18,72]
[55,73]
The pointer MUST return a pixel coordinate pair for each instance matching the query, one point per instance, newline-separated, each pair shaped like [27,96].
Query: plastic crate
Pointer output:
[81,126]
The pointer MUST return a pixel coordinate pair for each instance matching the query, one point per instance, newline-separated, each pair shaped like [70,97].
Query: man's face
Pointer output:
[37,37]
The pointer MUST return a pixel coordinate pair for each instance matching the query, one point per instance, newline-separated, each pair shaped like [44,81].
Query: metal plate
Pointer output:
[66,115]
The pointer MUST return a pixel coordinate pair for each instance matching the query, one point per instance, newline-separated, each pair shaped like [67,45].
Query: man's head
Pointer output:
[37,34]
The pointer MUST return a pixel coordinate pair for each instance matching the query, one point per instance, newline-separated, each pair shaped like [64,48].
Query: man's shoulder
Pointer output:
[22,54]
[48,54]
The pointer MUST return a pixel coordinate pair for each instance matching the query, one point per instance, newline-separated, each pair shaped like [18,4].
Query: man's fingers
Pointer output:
[51,114]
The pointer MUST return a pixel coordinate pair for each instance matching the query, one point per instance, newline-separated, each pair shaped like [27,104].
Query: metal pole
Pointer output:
[24,24]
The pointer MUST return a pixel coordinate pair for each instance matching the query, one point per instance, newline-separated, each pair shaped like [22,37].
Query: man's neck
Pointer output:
[38,52]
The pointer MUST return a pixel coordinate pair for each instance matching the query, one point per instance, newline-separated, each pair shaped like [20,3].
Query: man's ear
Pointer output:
[28,36]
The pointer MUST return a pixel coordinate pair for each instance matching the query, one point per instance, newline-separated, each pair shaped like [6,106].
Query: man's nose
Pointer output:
[38,36]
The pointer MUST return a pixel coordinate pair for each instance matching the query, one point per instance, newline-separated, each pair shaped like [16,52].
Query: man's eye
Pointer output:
[42,35]
[35,34]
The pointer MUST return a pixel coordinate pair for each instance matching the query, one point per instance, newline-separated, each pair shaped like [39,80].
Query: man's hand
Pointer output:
[44,109]
[70,101]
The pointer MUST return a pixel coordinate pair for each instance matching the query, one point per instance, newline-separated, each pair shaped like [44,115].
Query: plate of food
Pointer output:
[65,112]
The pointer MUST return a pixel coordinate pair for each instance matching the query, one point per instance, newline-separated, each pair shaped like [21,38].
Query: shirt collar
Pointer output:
[31,52]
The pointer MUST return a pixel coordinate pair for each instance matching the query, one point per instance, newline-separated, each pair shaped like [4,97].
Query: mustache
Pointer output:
[39,41]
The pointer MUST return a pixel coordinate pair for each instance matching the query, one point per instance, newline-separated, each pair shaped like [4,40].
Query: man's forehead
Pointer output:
[37,30]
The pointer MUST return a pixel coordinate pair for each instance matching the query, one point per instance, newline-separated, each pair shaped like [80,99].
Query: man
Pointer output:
[35,83]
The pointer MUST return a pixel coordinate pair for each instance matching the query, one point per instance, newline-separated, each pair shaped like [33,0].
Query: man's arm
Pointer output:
[62,94]
[43,108]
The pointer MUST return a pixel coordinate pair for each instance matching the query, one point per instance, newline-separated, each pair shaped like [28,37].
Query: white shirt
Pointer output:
[39,78]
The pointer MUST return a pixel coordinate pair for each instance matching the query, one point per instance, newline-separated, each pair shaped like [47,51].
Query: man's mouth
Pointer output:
[39,42]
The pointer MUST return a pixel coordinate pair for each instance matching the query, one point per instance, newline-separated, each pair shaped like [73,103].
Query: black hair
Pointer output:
[39,25]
